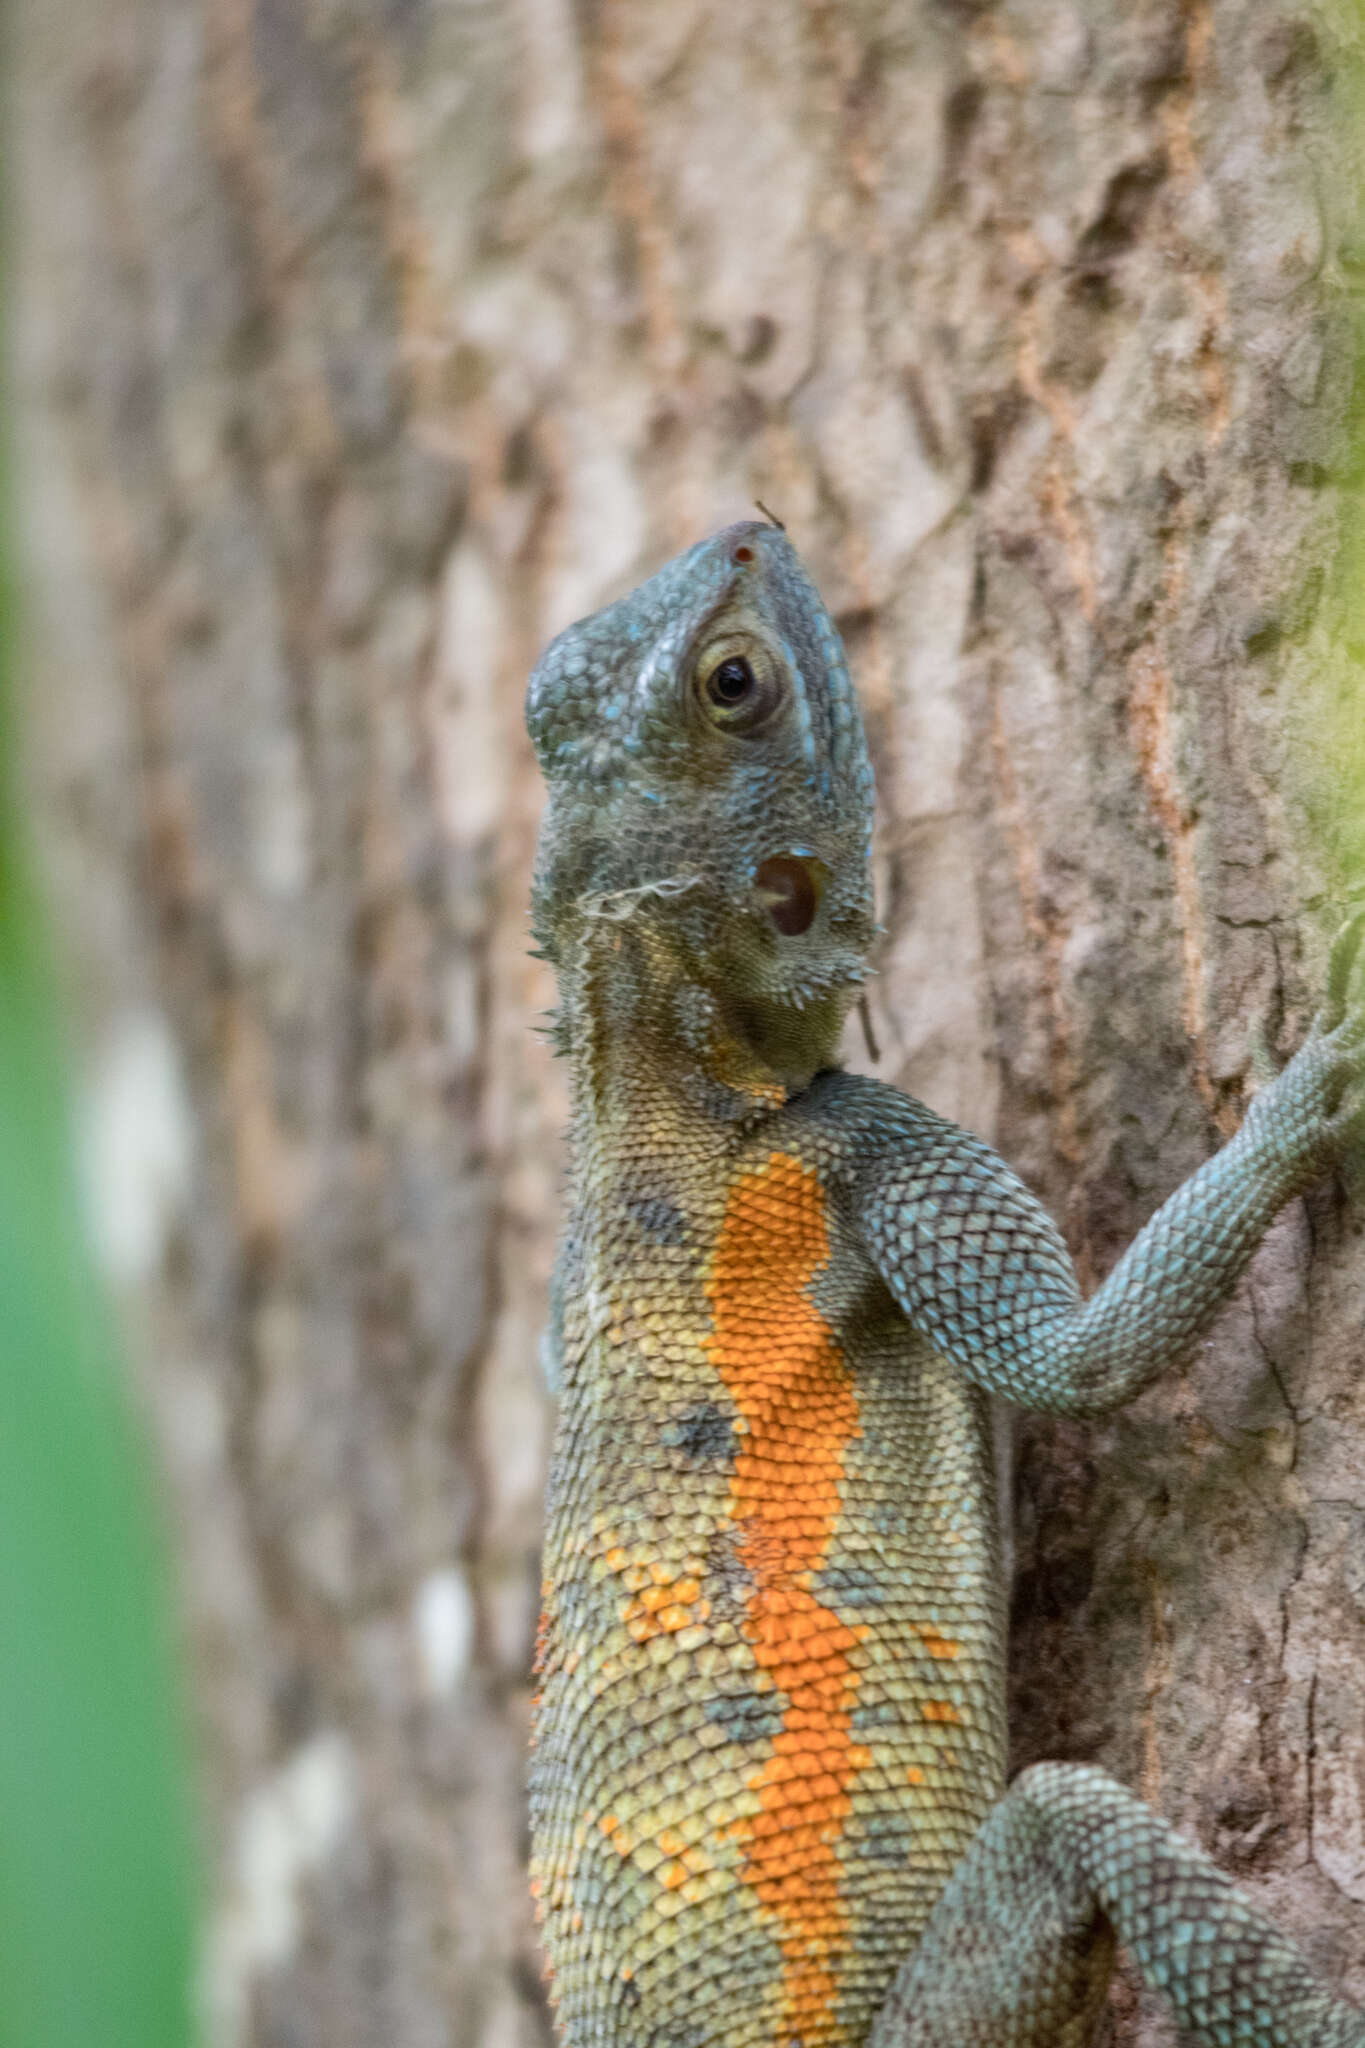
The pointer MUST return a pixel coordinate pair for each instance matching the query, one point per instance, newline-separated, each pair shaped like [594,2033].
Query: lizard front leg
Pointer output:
[978,1266]
[1018,1948]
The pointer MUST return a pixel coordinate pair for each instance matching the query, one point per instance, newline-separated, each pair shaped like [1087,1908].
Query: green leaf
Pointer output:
[98,1893]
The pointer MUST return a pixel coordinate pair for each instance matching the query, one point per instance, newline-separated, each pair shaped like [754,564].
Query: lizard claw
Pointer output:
[1314,1111]
[1345,948]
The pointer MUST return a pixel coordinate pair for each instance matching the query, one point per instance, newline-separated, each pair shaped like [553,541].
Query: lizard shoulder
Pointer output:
[902,1176]
[860,1126]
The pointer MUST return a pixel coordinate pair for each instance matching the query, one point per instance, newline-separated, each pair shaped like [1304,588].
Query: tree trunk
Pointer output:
[362,347]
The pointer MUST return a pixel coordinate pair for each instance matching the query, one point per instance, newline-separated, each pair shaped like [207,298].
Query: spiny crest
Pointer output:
[708,772]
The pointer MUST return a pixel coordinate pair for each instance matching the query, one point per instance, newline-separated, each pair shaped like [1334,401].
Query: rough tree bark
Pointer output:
[362,346]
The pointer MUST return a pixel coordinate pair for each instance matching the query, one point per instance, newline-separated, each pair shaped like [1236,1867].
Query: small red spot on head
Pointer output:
[742,554]
[789,891]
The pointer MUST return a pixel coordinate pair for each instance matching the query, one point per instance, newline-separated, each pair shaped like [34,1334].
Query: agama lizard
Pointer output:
[768,1782]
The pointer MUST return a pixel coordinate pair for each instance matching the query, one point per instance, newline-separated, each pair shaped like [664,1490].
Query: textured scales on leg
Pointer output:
[769,1749]
[1017,1949]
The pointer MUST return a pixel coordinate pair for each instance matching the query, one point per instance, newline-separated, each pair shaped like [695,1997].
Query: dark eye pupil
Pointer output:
[732,681]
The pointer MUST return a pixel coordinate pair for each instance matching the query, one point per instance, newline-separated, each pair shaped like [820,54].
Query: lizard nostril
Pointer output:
[788,890]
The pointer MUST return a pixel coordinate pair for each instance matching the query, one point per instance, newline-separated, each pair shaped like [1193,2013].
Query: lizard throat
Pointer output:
[636,1023]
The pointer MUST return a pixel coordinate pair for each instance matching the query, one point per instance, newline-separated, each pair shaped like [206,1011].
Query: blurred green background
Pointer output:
[98,1887]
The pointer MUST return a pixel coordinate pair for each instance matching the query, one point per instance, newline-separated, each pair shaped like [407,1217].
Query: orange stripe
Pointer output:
[793,1390]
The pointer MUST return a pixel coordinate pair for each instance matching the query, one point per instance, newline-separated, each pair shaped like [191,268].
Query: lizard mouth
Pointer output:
[788,888]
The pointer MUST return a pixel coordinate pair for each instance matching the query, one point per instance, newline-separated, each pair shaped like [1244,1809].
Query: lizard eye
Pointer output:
[738,687]
[730,683]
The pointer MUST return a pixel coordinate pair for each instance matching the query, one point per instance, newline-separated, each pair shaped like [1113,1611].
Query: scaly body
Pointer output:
[769,1762]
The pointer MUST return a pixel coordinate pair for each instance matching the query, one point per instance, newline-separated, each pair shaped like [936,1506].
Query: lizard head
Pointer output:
[709,784]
